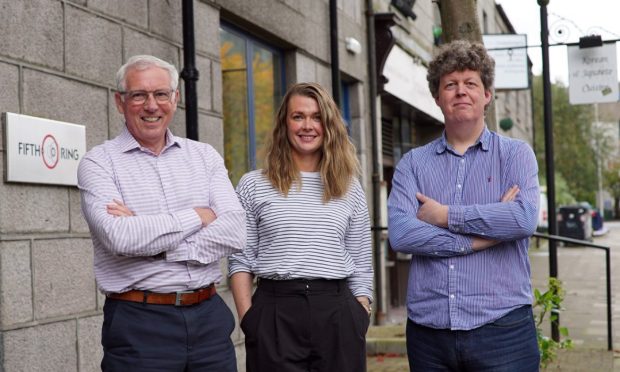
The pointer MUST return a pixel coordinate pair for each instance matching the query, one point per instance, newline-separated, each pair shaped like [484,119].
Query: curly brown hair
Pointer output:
[338,162]
[461,55]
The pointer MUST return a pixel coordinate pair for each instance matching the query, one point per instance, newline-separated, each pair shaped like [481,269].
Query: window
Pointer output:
[252,79]
[345,104]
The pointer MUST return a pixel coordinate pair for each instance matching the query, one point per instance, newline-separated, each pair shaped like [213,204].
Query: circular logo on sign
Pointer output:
[49,151]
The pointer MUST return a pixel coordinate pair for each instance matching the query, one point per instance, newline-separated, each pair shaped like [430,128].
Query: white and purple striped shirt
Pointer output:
[450,285]
[162,192]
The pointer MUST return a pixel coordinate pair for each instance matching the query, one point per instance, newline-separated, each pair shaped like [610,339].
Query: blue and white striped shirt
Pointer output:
[300,236]
[450,285]
[162,192]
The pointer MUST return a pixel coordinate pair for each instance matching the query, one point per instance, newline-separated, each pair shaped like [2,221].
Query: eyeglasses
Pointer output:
[139,97]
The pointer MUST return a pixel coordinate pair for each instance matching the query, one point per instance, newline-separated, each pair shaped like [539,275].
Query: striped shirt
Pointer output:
[161,191]
[450,285]
[299,236]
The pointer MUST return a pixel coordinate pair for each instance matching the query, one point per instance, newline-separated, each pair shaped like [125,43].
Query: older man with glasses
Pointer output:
[161,212]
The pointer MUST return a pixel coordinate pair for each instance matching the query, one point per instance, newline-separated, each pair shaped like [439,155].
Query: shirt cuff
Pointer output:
[456,219]
[462,244]
[189,221]
[180,253]
[357,292]
[237,266]
[238,269]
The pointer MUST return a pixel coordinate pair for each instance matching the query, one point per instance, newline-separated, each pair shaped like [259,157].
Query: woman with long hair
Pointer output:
[308,244]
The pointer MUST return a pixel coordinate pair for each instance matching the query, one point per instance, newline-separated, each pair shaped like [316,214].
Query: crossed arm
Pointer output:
[182,234]
[422,226]
[118,209]
[436,214]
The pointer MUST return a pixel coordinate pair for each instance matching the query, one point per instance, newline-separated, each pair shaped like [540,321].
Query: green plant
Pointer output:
[549,304]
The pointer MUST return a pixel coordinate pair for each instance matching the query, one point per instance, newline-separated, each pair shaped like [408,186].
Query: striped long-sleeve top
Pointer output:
[450,285]
[300,236]
[162,192]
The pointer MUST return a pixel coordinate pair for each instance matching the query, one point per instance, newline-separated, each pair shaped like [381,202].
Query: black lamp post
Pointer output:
[548,124]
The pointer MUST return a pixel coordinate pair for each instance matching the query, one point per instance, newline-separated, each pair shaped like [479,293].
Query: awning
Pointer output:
[407,81]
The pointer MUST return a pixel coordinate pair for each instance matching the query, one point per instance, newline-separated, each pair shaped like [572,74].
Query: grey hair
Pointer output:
[142,62]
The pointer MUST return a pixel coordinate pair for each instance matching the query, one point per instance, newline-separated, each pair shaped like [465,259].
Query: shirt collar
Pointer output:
[127,142]
[483,141]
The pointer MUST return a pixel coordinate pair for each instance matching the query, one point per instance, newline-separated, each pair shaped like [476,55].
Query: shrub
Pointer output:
[549,305]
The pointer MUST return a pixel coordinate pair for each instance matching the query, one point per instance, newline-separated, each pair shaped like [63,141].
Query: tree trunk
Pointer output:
[459,21]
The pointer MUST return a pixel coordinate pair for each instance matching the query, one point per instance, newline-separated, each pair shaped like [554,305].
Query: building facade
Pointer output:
[58,59]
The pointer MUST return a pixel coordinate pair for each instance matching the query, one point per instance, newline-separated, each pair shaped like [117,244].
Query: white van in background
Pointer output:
[543,212]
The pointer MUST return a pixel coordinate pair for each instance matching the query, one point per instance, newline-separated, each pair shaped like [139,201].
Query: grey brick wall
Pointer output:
[46,347]
[15,283]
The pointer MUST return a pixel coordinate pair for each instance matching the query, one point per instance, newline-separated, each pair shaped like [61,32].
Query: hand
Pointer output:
[206,215]
[431,211]
[118,209]
[241,311]
[365,302]
[511,194]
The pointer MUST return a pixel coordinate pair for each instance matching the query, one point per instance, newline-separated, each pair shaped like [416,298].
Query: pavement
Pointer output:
[584,313]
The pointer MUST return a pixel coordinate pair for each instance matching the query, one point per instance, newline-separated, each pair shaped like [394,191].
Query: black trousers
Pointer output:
[145,337]
[305,325]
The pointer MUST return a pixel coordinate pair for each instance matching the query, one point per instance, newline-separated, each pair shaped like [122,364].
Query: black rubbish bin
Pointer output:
[575,221]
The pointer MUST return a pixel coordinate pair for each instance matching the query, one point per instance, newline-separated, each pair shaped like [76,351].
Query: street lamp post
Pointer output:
[548,124]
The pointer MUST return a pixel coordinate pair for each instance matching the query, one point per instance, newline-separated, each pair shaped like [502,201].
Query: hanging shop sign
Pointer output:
[510,54]
[592,74]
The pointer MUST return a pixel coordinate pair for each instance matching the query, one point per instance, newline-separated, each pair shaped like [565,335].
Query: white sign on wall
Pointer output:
[42,150]
[510,54]
[592,74]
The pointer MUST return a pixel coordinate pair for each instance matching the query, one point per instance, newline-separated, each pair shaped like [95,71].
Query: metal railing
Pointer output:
[607,274]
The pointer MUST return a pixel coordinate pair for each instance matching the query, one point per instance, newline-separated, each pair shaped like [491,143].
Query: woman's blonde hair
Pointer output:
[338,162]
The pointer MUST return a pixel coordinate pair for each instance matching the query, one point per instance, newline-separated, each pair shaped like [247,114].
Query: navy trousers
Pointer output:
[508,344]
[305,325]
[143,337]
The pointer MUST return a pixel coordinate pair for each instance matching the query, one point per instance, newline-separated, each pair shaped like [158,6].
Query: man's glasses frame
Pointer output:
[139,97]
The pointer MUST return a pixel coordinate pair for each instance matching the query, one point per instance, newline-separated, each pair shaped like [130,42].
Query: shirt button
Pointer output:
[452,296]
[462,249]
[462,160]
[459,185]
[451,267]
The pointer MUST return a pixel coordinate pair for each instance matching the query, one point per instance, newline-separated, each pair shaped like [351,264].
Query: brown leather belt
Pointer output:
[182,298]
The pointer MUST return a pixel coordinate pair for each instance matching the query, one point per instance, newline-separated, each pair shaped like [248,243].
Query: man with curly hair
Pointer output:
[464,206]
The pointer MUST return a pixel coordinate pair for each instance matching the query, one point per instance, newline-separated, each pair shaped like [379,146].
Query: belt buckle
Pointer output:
[177,301]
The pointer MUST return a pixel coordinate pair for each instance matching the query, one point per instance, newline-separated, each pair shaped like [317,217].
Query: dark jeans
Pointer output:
[145,337]
[301,326]
[508,344]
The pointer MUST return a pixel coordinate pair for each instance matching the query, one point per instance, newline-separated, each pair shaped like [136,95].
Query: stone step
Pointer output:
[386,340]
